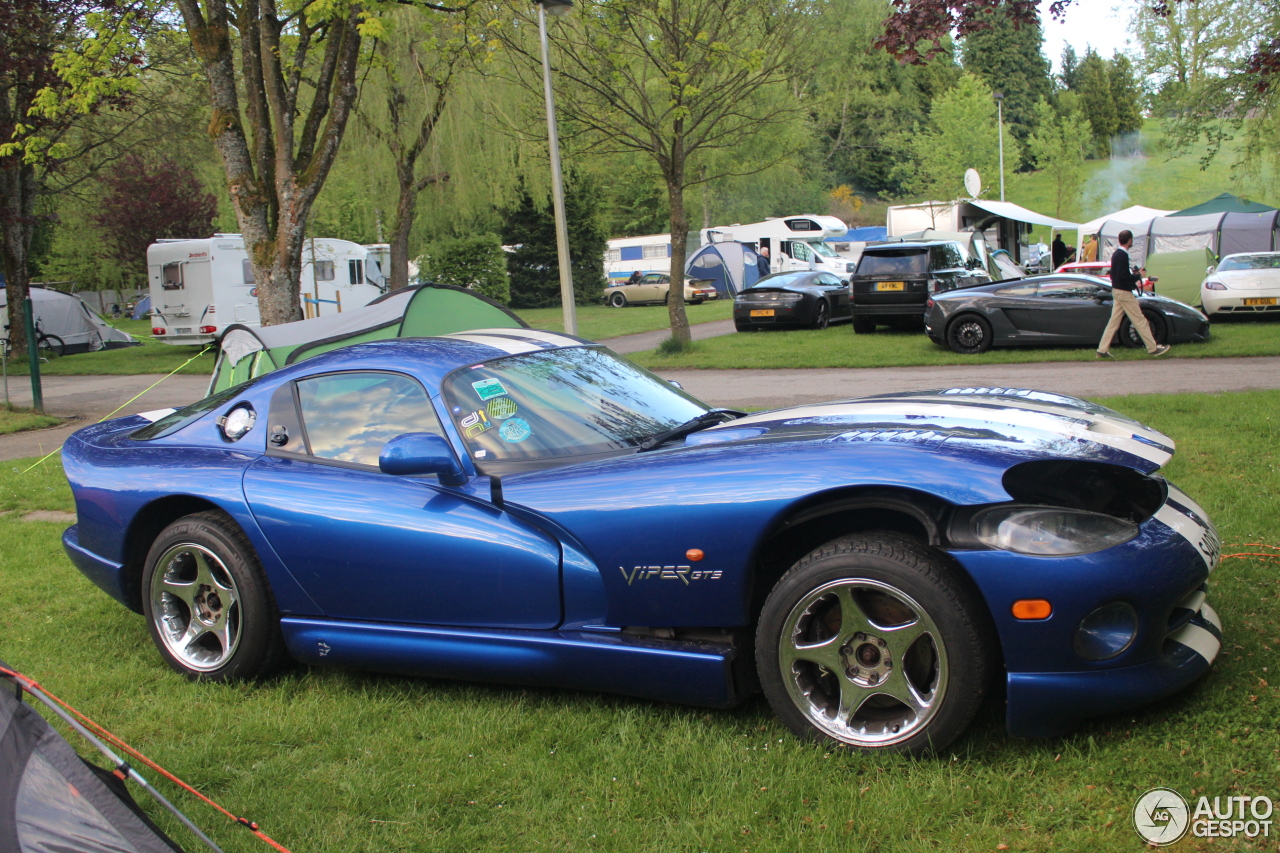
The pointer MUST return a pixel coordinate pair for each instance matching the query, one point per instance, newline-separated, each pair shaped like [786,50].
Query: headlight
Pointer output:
[1050,531]
[1106,632]
[1214,285]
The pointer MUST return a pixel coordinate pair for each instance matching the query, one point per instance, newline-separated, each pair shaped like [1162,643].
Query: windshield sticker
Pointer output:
[515,430]
[487,389]
[501,408]
[475,423]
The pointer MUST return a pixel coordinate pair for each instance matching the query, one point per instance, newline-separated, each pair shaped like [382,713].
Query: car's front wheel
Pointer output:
[969,335]
[207,601]
[821,316]
[871,642]
[617,300]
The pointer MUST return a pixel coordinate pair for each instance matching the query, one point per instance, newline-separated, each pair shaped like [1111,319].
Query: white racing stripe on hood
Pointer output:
[917,412]
[510,346]
[156,414]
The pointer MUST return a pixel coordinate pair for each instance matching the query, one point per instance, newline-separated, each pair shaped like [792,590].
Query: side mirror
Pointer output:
[421,453]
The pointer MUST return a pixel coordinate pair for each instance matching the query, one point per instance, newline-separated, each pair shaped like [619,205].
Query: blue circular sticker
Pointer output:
[515,430]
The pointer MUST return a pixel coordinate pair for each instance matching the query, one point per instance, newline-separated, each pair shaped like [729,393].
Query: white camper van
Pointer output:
[199,287]
[792,242]
[625,255]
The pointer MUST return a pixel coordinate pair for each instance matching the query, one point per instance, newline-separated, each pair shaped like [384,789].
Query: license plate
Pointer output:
[891,285]
[762,312]
[184,331]
[1268,300]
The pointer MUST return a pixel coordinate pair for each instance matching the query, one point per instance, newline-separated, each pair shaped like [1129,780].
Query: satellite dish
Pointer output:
[972,182]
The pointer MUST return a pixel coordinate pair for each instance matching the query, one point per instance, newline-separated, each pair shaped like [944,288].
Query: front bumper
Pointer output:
[1161,574]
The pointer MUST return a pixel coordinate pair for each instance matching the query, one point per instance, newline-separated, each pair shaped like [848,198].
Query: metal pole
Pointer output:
[557,186]
[1000,115]
[33,356]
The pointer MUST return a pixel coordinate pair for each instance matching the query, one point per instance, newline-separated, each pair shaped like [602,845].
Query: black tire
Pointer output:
[821,315]
[969,334]
[1129,336]
[863,325]
[50,346]
[859,623]
[207,602]
[618,300]
[666,297]
[742,327]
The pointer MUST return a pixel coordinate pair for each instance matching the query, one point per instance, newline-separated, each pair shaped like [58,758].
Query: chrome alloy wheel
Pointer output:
[969,334]
[195,606]
[863,662]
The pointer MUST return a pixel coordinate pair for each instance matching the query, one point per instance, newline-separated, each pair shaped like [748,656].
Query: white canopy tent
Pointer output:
[68,317]
[1130,216]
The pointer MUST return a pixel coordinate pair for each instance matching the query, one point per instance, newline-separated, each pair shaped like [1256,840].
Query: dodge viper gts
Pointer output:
[526,507]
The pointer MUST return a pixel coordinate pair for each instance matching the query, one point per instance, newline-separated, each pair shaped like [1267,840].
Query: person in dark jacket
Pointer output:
[1061,251]
[1125,279]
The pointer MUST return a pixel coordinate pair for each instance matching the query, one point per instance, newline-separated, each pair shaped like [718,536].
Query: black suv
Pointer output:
[894,280]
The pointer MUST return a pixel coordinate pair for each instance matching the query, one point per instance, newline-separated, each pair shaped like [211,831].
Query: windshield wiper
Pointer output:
[702,421]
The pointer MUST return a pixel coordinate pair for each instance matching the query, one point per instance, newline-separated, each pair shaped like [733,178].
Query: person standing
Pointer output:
[1124,280]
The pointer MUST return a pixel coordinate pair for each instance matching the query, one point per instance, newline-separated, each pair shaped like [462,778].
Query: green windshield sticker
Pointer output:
[501,408]
[488,388]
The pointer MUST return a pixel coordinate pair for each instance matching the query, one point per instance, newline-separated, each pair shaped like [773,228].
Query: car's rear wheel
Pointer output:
[969,334]
[207,601]
[617,300]
[871,642]
[822,316]
[863,325]
[1159,330]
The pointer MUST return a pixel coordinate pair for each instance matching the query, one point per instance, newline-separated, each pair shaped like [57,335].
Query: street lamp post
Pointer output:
[1000,118]
[557,8]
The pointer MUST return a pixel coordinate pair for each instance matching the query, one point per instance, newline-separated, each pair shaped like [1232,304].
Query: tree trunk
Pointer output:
[406,208]
[17,223]
[679,237]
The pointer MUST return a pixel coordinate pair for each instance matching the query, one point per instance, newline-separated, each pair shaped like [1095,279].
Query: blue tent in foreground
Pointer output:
[730,266]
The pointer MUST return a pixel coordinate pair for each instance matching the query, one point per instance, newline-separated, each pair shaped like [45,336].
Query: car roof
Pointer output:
[907,244]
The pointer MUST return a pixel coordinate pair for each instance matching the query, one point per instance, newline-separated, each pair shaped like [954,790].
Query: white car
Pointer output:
[1247,283]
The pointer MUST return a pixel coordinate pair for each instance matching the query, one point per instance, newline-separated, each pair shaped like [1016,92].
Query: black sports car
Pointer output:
[1050,309]
[812,299]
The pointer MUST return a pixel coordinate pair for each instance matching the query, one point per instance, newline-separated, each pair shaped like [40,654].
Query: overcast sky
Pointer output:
[1100,24]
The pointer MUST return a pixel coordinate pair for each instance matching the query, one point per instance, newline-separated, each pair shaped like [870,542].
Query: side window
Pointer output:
[355,271]
[348,417]
[324,270]
[829,280]
[947,256]
[1020,290]
[1066,290]
[246,271]
[171,278]
[800,251]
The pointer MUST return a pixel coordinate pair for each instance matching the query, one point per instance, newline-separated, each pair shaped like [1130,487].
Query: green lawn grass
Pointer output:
[151,357]
[13,419]
[838,346]
[598,322]
[337,761]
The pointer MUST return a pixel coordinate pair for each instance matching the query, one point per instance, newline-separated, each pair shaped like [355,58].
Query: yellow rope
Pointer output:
[44,458]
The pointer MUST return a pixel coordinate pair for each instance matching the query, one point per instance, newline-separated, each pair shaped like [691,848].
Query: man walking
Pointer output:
[1124,280]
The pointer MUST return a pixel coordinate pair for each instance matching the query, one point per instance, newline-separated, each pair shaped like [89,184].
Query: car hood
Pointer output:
[1015,420]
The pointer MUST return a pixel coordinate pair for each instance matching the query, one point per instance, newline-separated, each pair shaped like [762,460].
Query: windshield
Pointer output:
[894,262]
[823,249]
[1250,262]
[558,403]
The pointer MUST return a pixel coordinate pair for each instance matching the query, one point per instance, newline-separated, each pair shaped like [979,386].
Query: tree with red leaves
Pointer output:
[144,202]
[60,61]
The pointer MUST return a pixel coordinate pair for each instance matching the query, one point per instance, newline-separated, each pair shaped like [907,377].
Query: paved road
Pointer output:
[88,398]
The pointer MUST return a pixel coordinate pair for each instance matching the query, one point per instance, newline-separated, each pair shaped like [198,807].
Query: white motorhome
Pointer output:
[625,255]
[790,242]
[200,287]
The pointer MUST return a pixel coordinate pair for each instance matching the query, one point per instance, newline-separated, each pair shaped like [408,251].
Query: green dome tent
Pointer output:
[246,352]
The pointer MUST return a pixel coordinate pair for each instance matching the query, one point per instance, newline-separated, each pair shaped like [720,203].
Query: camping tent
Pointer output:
[142,310]
[419,311]
[731,266]
[66,316]
[1130,218]
[1225,203]
[50,799]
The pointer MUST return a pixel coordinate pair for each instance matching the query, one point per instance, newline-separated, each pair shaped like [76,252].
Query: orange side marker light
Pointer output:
[1031,608]
[693,555]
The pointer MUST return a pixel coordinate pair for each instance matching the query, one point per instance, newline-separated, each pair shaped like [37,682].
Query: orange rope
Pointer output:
[30,685]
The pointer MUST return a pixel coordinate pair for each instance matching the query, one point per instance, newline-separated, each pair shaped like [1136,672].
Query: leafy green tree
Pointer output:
[477,262]
[533,264]
[1097,101]
[1069,77]
[961,134]
[1008,58]
[1193,44]
[1059,144]
[674,80]
[1125,94]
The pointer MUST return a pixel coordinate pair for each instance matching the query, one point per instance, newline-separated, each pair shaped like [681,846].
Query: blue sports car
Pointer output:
[521,506]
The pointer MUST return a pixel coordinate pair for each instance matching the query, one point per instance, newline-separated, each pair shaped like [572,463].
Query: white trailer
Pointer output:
[790,242]
[625,255]
[200,287]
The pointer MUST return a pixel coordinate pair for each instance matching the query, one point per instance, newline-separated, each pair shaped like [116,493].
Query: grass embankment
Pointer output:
[339,761]
[13,419]
[598,322]
[838,346]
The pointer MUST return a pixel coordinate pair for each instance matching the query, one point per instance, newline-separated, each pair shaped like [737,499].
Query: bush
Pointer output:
[477,263]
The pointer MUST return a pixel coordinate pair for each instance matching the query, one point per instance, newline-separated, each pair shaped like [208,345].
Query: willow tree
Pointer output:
[675,80]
